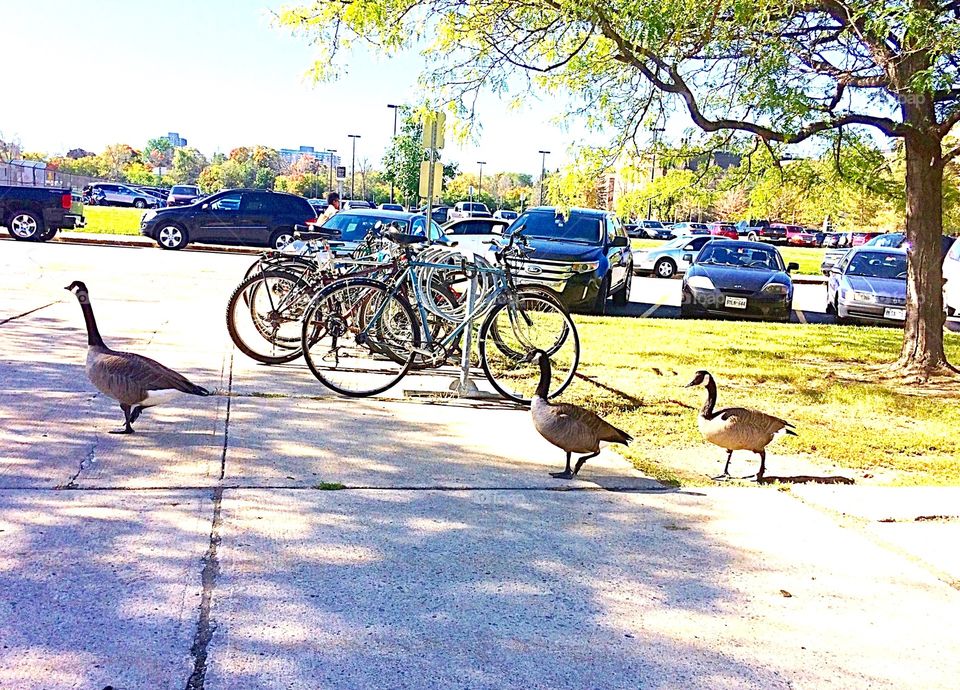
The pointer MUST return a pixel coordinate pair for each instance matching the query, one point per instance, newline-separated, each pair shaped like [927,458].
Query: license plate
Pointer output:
[735,302]
[897,314]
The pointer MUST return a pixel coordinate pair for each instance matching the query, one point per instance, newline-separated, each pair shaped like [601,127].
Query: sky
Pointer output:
[218,72]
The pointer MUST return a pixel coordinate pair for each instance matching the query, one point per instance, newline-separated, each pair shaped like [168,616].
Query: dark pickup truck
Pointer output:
[37,213]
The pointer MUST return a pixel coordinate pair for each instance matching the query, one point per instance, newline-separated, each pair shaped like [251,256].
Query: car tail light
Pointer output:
[66,201]
[311,221]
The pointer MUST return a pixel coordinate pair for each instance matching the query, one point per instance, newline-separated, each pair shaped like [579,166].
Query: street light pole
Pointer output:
[393,143]
[330,153]
[543,172]
[653,168]
[480,183]
[353,164]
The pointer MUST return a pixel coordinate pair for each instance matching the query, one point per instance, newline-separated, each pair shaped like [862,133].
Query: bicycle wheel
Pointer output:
[263,316]
[347,330]
[529,321]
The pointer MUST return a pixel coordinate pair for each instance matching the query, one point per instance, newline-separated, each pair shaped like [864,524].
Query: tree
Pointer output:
[782,72]
[114,159]
[186,166]
[159,153]
[9,150]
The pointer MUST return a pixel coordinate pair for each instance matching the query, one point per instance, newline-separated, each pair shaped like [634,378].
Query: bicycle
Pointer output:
[361,336]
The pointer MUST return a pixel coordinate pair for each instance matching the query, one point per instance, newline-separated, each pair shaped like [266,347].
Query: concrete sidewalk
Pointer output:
[205,551]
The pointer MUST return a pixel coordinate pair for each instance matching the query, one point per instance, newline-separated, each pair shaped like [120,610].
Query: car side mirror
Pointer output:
[793,266]
[620,241]
[688,258]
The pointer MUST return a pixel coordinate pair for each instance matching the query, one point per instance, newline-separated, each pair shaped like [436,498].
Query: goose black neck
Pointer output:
[543,388]
[93,333]
[707,410]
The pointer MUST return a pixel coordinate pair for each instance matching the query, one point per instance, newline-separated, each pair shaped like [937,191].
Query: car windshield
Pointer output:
[878,265]
[742,256]
[891,240]
[474,228]
[184,190]
[652,224]
[575,228]
[475,208]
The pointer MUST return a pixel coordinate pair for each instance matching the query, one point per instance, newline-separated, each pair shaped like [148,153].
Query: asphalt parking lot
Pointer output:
[206,551]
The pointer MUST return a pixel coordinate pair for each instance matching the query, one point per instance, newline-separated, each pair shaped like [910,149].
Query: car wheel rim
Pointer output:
[282,241]
[170,237]
[665,270]
[24,226]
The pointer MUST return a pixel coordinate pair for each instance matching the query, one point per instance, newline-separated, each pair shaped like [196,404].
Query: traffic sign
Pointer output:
[430,189]
[341,172]
[434,128]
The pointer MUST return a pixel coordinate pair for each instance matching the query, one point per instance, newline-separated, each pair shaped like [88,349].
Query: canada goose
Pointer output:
[737,428]
[134,381]
[570,428]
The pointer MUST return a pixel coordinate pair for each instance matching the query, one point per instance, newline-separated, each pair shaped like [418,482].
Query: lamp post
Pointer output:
[543,172]
[330,153]
[353,163]
[393,143]
[653,167]
[480,182]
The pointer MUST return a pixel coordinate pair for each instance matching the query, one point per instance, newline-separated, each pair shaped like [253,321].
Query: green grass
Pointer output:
[823,378]
[809,258]
[112,220]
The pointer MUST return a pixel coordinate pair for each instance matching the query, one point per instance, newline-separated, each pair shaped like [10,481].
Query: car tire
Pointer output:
[139,203]
[47,234]
[600,305]
[622,296]
[665,268]
[836,314]
[752,236]
[26,226]
[280,239]
[172,236]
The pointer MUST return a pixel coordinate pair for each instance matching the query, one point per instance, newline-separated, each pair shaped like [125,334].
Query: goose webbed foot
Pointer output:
[128,419]
[722,477]
[125,430]
[566,474]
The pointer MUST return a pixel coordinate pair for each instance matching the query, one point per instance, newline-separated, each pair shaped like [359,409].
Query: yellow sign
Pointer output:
[431,188]
[434,130]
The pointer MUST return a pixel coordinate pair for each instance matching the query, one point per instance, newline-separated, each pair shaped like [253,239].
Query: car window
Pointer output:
[416,228]
[473,227]
[955,251]
[575,228]
[227,202]
[258,203]
[742,256]
[878,265]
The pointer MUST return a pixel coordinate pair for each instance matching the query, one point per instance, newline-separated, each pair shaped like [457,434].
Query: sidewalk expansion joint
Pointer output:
[206,625]
[360,487]
[226,423]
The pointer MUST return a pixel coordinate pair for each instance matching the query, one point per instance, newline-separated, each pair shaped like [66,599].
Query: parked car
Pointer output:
[951,276]
[653,229]
[183,194]
[583,256]
[505,214]
[37,213]
[869,285]
[688,228]
[319,205]
[469,209]
[351,204]
[830,239]
[799,236]
[761,231]
[738,278]
[859,238]
[391,207]
[353,226]
[725,230]
[253,217]
[440,214]
[666,260]
[115,194]
[899,239]
[473,235]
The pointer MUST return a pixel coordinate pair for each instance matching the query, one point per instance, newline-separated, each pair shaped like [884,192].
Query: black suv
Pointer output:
[254,217]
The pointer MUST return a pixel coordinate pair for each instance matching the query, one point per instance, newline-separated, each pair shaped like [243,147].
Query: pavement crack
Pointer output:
[85,462]
[206,625]
[27,313]
[226,423]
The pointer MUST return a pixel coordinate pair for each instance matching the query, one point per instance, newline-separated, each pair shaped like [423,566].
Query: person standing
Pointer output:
[333,206]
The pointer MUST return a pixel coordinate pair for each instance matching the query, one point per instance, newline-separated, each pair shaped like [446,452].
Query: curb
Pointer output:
[136,242]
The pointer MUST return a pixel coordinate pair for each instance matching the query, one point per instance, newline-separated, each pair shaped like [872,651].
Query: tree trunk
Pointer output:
[922,354]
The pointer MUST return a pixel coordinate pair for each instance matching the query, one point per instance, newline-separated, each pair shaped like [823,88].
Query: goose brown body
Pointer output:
[570,428]
[737,428]
[135,381]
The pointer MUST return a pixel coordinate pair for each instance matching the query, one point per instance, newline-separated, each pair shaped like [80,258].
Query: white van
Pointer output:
[468,209]
[951,274]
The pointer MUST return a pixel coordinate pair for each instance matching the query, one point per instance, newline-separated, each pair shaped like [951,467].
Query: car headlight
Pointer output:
[775,289]
[864,297]
[701,283]
[148,216]
[585,266]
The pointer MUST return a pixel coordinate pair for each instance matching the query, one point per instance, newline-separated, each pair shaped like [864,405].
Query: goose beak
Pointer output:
[691,384]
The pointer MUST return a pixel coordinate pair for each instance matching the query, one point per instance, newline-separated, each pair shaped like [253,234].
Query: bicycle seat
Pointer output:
[404,238]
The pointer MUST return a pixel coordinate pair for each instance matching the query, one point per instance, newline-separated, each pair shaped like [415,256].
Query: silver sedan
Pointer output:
[666,260]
